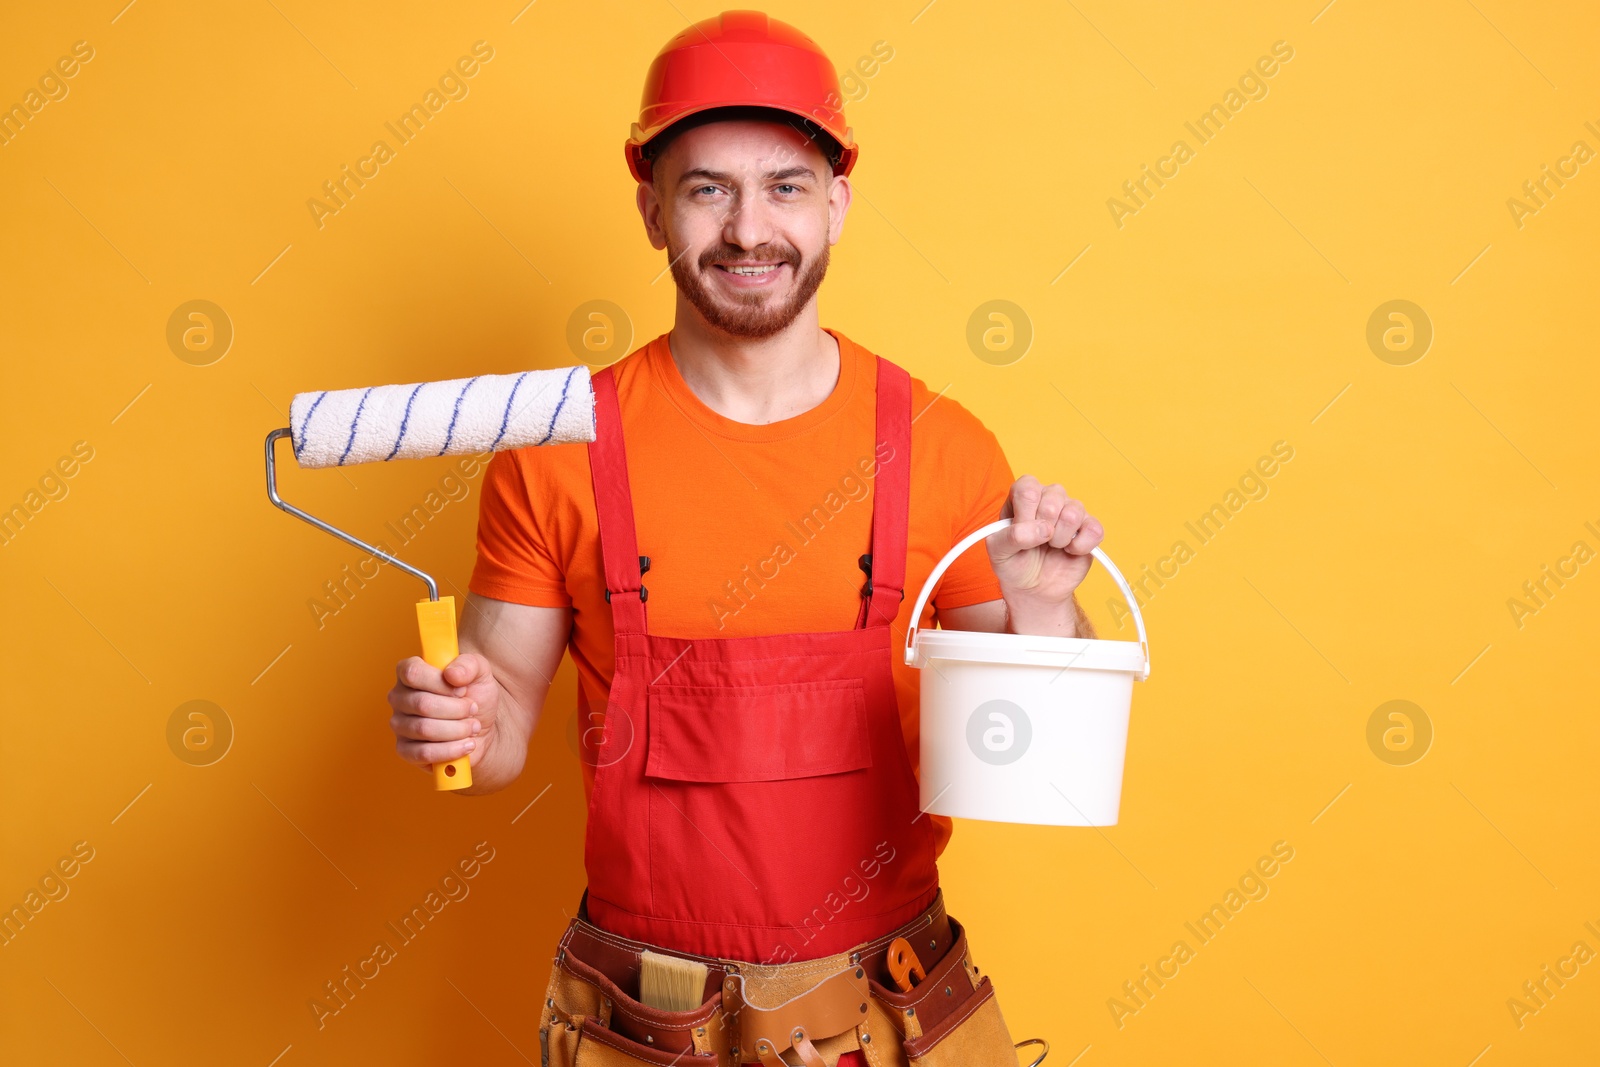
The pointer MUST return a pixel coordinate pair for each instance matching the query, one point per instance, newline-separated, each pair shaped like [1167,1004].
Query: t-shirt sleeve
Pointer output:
[515,563]
[970,579]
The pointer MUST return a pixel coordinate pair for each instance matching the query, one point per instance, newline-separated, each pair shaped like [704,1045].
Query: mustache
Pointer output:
[772,253]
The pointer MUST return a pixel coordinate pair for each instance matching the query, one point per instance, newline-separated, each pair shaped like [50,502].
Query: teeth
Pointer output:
[751,270]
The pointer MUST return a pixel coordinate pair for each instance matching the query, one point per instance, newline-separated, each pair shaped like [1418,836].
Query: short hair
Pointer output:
[831,149]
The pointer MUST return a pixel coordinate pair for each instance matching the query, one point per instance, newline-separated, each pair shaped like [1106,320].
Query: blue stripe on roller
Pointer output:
[306,423]
[451,429]
[404,419]
[355,422]
[556,414]
[505,420]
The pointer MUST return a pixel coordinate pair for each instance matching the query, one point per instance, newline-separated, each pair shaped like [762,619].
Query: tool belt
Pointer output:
[809,1012]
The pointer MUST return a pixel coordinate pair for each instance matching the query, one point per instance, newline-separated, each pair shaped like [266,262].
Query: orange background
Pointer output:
[1166,355]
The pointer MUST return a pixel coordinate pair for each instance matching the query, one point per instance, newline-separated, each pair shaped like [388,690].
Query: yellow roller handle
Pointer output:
[436,619]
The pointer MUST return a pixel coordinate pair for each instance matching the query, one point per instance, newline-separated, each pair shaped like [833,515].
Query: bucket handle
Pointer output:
[995,527]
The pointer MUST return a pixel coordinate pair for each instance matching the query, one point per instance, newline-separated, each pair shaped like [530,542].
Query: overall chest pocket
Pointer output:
[757,733]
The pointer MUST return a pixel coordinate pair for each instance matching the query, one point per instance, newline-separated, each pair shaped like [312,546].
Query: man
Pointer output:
[749,733]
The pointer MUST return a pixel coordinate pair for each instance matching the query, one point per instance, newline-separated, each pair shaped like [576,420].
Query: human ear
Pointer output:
[650,213]
[839,194]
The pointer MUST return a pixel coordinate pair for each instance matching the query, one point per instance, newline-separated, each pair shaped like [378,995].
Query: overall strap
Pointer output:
[613,500]
[891,499]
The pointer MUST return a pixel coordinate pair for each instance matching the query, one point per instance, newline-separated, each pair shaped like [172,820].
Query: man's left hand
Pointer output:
[1043,556]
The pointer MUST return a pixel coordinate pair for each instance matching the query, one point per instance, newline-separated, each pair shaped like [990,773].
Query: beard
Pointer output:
[749,315]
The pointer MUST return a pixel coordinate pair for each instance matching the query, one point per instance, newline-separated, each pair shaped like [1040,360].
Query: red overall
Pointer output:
[756,780]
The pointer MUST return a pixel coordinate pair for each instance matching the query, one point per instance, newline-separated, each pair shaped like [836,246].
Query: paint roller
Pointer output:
[488,413]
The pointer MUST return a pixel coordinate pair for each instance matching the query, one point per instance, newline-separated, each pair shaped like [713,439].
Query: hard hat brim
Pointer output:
[640,137]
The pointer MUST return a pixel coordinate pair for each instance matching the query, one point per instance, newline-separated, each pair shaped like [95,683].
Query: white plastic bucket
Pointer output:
[1024,729]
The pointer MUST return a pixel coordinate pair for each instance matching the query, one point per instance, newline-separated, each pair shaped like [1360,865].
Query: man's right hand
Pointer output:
[441,716]
[509,653]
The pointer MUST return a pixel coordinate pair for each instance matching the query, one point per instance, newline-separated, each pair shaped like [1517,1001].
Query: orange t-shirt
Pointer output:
[750,529]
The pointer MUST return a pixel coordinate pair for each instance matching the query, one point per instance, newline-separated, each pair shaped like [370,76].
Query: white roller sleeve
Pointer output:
[489,413]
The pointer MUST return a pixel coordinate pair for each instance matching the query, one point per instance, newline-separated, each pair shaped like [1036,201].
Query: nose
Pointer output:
[748,224]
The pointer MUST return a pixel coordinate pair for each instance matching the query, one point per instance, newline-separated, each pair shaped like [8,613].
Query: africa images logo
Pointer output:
[999,732]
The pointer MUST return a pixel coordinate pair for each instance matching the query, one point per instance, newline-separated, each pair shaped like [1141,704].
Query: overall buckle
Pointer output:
[865,563]
[644,594]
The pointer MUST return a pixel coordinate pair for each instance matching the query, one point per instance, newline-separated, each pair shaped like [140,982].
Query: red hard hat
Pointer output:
[739,59]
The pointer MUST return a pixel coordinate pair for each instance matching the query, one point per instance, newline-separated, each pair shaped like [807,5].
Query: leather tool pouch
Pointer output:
[799,1020]
[951,1017]
[589,1021]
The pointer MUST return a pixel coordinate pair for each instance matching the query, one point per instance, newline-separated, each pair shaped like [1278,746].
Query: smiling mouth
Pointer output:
[748,270]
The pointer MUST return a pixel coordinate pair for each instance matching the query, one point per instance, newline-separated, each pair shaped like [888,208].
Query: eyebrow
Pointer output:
[703,174]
